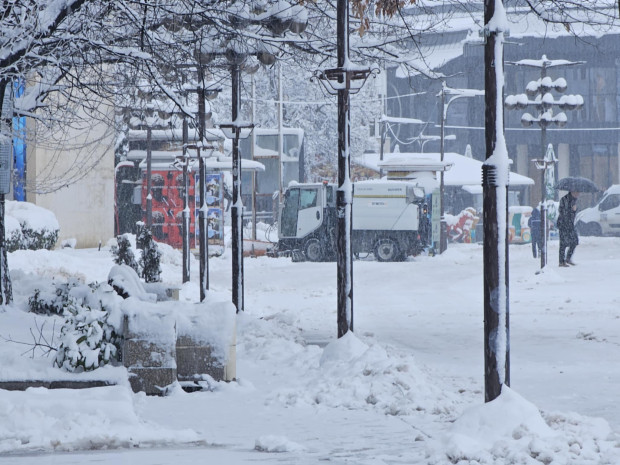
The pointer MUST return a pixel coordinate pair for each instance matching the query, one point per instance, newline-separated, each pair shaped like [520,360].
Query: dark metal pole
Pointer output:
[443,227]
[383,136]
[236,209]
[186,252]
[491,219]
[203,243]
[202,215]
[344,195]
[543,206]
[149,193]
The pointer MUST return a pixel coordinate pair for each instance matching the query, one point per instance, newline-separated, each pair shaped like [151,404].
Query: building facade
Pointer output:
[588,145]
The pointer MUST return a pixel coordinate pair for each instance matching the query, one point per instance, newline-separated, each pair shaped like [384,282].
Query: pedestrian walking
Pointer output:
[566,226]
[535,231]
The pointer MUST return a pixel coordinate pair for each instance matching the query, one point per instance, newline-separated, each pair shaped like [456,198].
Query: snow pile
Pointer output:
[272,443]
[354,375]
[42,419]
[125,279]
[32,216]
[211,322]
[511,430]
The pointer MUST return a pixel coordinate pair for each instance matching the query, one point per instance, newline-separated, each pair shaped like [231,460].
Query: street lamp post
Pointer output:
[142,113]
[544,102]
[495,211]
[344,81]
[186,210]
[455,94]
[277,21]
[234,131]
[203,91]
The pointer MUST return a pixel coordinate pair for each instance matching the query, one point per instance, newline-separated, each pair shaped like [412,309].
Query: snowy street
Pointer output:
[388,395]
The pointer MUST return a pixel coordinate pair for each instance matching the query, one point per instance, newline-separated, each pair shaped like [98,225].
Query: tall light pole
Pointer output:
[343,81]
[454,95]
[234,131]
[202,142]
[538,95]
[495,209]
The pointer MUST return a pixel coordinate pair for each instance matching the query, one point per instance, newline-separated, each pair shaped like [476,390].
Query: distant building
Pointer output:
[589,144]
[74,178]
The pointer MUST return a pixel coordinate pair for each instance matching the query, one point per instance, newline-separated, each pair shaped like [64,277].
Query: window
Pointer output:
[307,198]
[610,202]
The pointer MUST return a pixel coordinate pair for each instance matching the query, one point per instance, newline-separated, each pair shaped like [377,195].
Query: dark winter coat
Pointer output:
[566,220]
[534,224]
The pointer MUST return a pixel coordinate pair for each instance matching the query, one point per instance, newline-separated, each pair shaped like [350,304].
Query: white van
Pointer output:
[603,218]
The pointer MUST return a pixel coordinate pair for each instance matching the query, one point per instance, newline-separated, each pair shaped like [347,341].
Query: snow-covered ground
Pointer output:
[405,388]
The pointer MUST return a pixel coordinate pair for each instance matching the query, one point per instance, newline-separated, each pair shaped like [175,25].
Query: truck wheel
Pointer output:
[313,250]
[386,250]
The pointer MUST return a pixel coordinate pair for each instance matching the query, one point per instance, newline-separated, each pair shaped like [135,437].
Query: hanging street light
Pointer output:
[538,95]
[454,94]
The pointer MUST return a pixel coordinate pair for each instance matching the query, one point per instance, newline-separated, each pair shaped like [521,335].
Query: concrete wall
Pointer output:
[73,176]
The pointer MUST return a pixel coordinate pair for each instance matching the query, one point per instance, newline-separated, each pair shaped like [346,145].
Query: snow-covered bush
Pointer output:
[123,254]
[54,299]
[14,237]
[126,282]
[91,335]
[38,227]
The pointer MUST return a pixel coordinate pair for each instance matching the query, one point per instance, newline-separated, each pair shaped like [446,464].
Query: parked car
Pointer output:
[604,217]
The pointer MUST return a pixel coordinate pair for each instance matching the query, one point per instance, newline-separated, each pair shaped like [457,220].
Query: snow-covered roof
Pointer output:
[522,24]
[464,171]
[216,163]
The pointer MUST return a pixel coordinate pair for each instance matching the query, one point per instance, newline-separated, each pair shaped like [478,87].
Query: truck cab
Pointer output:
[307,220]
[604,217]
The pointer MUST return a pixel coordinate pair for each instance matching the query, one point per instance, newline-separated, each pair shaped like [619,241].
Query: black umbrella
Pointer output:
[575,184]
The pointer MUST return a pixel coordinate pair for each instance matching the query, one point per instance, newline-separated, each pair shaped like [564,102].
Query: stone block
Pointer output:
[196,360]
[151,381]
[144,353]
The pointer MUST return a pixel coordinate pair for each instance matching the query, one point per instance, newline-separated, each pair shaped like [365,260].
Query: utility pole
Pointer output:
[494,183]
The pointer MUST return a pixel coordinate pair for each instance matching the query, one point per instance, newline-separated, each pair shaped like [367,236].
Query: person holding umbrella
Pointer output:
[566,225]
[566,215]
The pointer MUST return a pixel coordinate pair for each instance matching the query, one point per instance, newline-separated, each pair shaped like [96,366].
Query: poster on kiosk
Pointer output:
[215,212]
[167,203]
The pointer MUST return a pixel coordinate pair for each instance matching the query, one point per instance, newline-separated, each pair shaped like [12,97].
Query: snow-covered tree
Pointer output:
[123,253]
[150,259]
